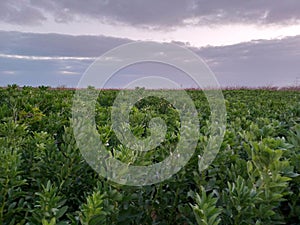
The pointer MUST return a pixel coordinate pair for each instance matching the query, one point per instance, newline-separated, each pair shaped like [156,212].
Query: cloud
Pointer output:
[41,72]
[62,59]
[30,44]
[155,13]
[256,63]
[20,12]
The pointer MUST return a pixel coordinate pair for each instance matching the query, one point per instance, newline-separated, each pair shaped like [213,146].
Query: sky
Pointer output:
[245,43]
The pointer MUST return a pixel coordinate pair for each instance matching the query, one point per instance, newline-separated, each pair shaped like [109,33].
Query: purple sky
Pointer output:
[245,43]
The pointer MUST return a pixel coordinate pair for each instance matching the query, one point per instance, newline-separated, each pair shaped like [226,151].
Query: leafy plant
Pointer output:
[49,207]
[205,209]
[254,178]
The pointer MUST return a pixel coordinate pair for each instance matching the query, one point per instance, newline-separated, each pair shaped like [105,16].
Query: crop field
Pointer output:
[254,178]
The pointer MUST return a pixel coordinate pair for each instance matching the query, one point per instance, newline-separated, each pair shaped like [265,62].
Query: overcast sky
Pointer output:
[245,43]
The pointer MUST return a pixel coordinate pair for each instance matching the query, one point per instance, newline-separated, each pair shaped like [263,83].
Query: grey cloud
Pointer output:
[158,13]
[36,73]
[56,45]
[134,12]
[261,12]
[20,12]
[256,63]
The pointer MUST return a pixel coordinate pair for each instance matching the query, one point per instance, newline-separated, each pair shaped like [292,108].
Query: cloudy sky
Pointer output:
[245,43]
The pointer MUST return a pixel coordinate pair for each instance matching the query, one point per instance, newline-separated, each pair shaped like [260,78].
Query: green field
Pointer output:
[253,180]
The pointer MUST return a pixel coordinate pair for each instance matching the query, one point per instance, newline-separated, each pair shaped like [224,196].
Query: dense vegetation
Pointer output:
[253,180]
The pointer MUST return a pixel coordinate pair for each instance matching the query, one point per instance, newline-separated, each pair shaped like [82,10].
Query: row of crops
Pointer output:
[254,179]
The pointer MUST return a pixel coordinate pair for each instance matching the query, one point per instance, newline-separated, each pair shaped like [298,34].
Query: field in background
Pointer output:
[253,180]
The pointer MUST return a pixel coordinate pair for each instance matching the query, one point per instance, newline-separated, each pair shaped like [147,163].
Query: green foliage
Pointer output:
[253,180]
[92,212]
[205,210]
[49,207]
[11,183]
